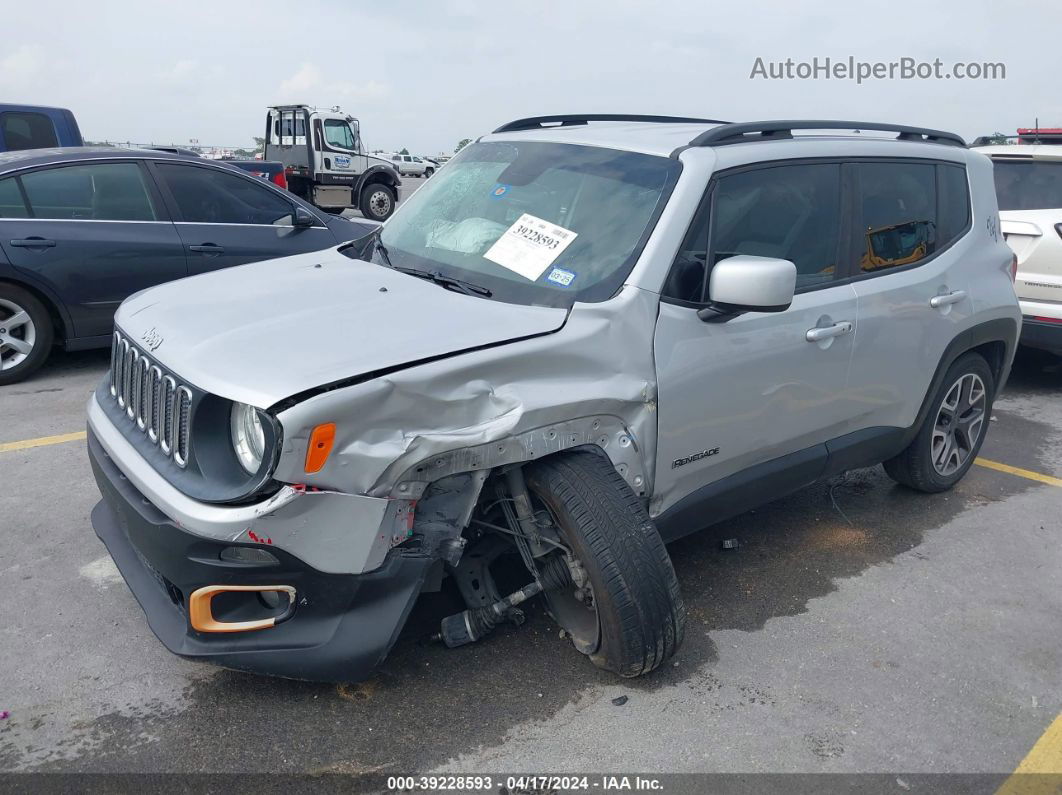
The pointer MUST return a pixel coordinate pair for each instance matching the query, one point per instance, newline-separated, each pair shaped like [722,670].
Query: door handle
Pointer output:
[824,333]
[937,301]
[33,242]
[208,248]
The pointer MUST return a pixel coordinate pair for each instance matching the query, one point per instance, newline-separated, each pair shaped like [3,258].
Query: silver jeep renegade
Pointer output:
[586,336]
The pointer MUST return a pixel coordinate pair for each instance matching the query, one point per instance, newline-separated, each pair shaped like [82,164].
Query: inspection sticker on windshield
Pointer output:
[530,246]
[560,276]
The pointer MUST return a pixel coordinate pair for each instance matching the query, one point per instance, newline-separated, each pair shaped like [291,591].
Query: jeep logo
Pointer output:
[151,339]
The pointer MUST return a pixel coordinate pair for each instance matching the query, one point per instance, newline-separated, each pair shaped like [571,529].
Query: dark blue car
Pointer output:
[83,228]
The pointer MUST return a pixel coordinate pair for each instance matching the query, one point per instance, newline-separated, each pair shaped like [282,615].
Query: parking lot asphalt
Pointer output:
[858,627]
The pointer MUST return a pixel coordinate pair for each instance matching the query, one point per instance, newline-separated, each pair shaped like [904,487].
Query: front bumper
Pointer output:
[343,625]
[1042,334]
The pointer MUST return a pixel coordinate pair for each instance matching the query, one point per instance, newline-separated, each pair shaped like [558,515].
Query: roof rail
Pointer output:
[573,120]
[774,130]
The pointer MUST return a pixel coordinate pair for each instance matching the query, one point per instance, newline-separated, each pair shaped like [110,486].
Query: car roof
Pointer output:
[24,158]
[663,139]
[1022,151]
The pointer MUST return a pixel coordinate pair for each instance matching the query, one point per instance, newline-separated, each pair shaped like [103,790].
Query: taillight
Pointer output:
[281,180]
[1013,268]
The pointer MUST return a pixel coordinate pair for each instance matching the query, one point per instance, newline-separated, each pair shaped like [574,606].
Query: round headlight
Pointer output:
[248,437]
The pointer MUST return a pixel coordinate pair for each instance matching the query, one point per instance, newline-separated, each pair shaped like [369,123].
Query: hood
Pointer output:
[263,332]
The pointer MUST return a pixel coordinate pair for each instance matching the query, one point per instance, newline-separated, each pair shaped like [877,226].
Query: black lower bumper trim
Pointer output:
[1042,335]
[343,625]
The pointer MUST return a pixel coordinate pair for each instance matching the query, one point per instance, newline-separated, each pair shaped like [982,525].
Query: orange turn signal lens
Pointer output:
[320,446]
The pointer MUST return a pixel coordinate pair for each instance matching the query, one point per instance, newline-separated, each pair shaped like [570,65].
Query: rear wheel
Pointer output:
[26,333]
[622,608]
[377,201]
[951,435]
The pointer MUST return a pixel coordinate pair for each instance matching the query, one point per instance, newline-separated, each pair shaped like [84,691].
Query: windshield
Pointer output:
[1028,185]
[535,223]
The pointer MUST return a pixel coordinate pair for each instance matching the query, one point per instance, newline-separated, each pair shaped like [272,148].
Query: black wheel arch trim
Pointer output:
[1002,330]
[52,303]
[369,176]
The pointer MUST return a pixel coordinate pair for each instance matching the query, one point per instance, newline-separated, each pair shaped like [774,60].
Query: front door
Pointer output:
[228,219]
[91,234]
[761,385]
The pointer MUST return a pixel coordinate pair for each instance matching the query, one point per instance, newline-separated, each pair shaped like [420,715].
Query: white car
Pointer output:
[1029,188]
[413,166]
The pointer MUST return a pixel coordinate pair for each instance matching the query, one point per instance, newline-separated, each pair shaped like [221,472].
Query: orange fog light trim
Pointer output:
[320,447]
[202,619]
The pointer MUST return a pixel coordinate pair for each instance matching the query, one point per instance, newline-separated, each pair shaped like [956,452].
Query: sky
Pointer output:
[424,75]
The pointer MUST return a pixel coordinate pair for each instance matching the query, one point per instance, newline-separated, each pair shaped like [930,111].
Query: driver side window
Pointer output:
[338,134]
[787,212]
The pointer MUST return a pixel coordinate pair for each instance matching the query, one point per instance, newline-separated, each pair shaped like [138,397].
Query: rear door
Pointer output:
[225,218]
[913,294]
[91,234]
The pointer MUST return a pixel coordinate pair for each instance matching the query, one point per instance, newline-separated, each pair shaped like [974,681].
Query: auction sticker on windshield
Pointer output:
[530,246]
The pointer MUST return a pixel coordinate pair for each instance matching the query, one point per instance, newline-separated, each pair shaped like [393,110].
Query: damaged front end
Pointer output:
[313,574]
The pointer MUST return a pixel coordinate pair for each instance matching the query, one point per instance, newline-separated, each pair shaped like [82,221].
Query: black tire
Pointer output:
[43,333]
[428,172]
[332,210]
[640,612]
[915,467]
[377,201]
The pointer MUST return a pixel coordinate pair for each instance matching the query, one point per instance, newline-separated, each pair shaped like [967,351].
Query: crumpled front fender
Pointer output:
[591,382]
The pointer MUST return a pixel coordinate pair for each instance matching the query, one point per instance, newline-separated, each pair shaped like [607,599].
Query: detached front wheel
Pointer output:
[622,606]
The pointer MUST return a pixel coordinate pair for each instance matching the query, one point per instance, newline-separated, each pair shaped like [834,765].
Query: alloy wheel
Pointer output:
[18,334]
[959,422]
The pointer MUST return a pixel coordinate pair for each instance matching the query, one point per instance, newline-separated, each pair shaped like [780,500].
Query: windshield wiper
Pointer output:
[378,245]
[468,288]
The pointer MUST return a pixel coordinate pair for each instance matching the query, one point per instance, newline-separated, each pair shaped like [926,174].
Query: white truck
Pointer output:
[326,163]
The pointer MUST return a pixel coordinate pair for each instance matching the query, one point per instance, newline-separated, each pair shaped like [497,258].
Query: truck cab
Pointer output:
[326,162]
[37,127]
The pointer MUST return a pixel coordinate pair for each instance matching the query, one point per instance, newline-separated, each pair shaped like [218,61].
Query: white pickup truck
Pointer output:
[326,163]
[413,166]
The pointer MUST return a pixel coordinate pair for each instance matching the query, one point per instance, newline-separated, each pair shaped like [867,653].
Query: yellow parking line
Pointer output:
[1039,477]
[26,444]
[1045,759]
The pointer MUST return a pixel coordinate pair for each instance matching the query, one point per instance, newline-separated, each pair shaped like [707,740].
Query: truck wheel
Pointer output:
[631,617]
[953,430]
[428,172]
[26,333]
[377,201]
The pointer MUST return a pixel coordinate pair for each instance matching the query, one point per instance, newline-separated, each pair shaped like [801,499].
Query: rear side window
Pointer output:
[23,130]
[897,205]
[787,212]
[11,204]
[1028,185]
[212,196]
[954,203]
[96,192]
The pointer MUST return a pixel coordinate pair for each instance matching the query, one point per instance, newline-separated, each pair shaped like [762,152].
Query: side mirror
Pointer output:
[745,283]
[303,217]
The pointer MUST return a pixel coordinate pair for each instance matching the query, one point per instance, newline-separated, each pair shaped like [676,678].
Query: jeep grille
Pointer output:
[152,400]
